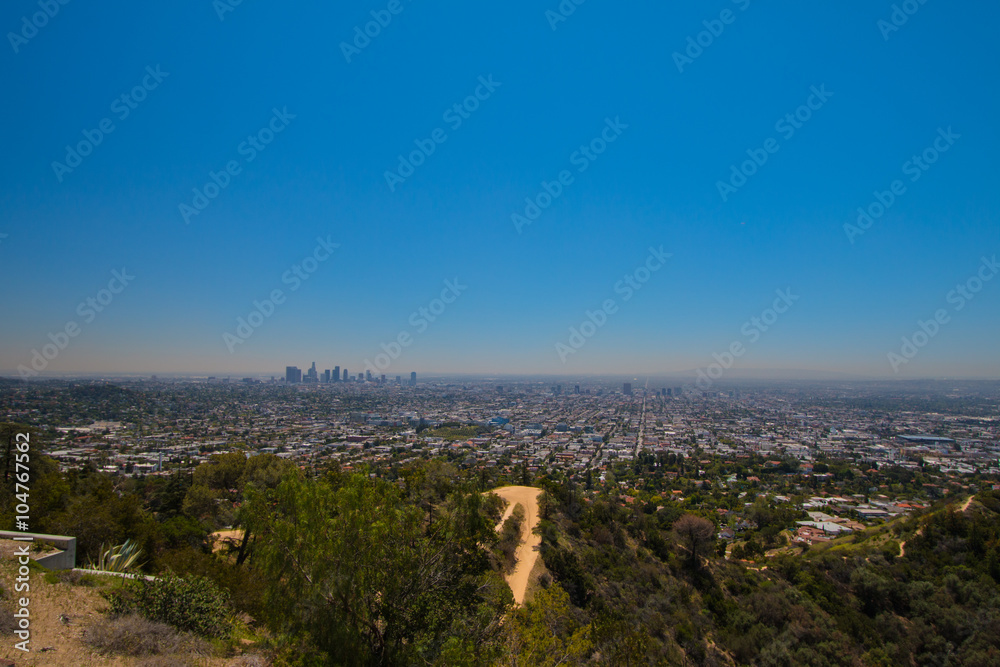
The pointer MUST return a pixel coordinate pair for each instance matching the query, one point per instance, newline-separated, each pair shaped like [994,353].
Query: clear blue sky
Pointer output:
[656,184]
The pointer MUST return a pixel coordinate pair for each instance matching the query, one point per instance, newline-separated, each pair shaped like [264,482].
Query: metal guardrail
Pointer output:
[123,575]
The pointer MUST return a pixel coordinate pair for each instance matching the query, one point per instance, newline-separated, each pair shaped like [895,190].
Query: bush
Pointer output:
[244,587]
[510,538]
[135,636]
[194,604]
[74,578]
[8,624]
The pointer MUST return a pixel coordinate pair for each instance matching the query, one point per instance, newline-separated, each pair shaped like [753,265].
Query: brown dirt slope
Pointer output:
[527,551]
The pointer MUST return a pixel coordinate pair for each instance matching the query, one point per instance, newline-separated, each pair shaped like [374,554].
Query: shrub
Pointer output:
[510,538]
[194,604]
[244,587]
[133,635]
[8,624]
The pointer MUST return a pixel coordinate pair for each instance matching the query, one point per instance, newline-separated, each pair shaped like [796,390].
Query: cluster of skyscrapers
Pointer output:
[293,375]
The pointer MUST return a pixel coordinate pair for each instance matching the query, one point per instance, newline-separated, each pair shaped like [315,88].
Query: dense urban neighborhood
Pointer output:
[830,459]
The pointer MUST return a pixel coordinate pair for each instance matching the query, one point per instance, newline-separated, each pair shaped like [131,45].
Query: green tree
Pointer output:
[361,570]
[546,632]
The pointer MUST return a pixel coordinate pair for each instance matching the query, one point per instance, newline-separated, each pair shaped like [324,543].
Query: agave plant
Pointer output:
[121,558]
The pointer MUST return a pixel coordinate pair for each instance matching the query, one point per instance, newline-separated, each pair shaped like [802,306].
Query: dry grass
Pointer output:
[64,605]
[135,636]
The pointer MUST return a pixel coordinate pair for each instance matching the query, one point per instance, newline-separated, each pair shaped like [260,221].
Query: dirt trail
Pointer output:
[227,538]
[527,551]
[968,501]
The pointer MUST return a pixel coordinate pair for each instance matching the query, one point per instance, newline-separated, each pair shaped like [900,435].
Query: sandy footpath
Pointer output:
[527,551]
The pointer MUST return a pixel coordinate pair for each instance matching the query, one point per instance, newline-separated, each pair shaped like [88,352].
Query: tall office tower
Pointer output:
[669,391]
[336,373]
[368,375]
[677,391]
[326,376]
[361,377]
[399,380]
[576,389]
[347,376]
[312,373]
[413,379]
[627,389]
[293,374]
[383,378]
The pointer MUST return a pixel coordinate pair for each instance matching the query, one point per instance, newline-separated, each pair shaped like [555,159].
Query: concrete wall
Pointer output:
[64,560]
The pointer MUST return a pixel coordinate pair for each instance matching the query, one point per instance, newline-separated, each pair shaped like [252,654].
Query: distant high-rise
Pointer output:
[347,376]
[383,379]
[361,376]
[326,376]
[627,389]
[677,391]
[399,380]
[413,379]
[293,374]
[311,374]
[336,373]
[576,389]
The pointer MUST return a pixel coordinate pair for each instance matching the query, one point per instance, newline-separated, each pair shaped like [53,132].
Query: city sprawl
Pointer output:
[832,458]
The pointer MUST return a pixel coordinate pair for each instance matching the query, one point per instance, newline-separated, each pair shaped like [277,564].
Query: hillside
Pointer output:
[63,607]
[853,601]
[340,567]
